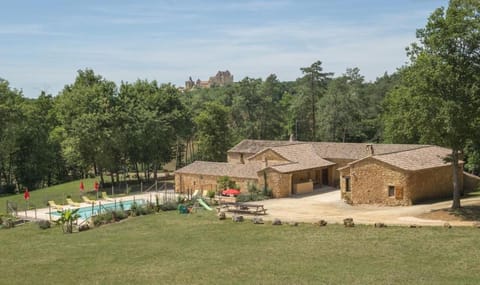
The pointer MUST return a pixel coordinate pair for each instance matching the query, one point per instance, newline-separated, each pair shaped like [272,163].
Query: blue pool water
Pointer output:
[87,212]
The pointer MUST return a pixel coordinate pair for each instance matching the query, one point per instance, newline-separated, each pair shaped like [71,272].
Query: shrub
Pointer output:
[181,199]
[119,215]
[133,208]
[267,192]
[8,223]
[253,188]
[169,206]
[143,209]
[8,189]
[44,224]
[103,218]
[250,197]
[211,194]
[224,182]
[244,198]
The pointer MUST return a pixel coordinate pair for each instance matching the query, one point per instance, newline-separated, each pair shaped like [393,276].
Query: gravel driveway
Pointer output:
[327,205]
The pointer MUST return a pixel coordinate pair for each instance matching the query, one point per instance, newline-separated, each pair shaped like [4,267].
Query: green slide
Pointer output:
[203,204]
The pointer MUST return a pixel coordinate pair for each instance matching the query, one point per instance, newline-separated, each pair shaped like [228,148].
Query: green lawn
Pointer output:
[58,193]
[169,248]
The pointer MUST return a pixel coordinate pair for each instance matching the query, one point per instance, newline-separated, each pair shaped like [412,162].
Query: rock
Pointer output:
[83,227]
[380,225]
[293,224]
[222,216]
[348,223]
[321,223]
[447,225]
[476,225]
[237,219]
[257,220]
[277,222]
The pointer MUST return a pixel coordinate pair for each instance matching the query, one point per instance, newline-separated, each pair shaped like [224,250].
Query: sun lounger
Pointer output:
[71,203]
[105,197]
[52,204]
[86,200]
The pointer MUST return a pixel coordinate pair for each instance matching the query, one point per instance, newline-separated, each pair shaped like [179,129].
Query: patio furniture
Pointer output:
[72,203]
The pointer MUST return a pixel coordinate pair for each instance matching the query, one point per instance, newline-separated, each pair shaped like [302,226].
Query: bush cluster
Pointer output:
[44,224]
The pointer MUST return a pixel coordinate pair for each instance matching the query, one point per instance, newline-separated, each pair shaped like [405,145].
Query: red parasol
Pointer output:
[96,186]
[26,195]
[82,188]
[232,192]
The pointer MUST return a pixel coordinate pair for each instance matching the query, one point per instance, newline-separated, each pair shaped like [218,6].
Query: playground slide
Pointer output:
[203,204]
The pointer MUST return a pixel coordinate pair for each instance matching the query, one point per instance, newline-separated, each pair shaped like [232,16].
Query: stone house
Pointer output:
[399,178]
[390,174]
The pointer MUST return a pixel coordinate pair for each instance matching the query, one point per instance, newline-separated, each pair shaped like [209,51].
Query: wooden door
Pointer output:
[399,192]
[325,176]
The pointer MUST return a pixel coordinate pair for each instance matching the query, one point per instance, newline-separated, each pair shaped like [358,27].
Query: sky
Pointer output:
[44,43]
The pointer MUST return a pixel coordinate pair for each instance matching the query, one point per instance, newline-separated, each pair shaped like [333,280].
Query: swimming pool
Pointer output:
[87,212]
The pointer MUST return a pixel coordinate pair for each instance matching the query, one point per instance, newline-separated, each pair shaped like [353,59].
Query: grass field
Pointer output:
[169,248]
[39,198]
[59,193]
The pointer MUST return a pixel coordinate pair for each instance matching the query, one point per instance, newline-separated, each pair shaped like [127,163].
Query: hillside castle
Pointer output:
[220,79]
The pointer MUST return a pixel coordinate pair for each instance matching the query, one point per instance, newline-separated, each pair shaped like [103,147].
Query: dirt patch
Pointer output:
[466,213]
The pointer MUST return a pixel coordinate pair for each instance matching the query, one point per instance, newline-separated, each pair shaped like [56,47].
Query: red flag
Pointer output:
[26,195]
[81,186]
[96,186]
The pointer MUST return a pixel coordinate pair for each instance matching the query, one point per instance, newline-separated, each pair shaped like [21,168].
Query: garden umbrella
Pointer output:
[81,186]
[26,195]
[233,192]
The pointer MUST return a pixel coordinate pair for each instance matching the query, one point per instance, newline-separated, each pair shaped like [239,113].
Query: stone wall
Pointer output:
[304,176]
[236,157]
[370,180]
[470,182]
[280,183]
[335,174]
[185,182]
[433,183]
[272,158]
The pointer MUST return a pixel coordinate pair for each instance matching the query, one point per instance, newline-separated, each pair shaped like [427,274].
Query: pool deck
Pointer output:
[47,213]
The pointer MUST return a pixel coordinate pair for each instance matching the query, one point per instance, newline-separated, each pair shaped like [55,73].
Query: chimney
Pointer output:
[370,150]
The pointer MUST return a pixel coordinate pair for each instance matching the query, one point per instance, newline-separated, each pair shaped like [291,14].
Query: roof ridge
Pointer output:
[420,146]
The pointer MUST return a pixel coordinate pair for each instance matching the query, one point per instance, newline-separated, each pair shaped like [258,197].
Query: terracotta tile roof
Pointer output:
[222,169]
[417,159]
[290,167]
[301,156]
[326,150]
[254,146]
[357,150]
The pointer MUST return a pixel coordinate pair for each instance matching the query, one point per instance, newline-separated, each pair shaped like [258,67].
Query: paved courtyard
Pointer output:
[327,205]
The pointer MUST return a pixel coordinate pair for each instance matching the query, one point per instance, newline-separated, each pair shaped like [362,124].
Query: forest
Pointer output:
[97,127]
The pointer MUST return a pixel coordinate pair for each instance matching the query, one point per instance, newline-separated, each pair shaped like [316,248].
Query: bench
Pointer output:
[245,208]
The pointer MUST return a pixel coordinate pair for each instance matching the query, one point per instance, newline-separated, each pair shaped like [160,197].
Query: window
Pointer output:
[347,184]
[391,191]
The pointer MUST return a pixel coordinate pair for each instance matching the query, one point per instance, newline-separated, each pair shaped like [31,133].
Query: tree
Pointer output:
[213,132]
[87,115]
[340,108]
[66,219]
[11,101]
[313,85]
[442,81]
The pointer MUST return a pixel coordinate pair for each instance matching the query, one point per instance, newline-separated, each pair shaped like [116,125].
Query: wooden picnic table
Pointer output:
[247,208]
